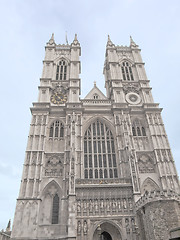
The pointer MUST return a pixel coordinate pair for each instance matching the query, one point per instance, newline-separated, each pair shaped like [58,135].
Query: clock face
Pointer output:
[58,98]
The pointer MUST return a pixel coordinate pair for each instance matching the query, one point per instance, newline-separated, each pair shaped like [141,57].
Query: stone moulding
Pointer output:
[154,196]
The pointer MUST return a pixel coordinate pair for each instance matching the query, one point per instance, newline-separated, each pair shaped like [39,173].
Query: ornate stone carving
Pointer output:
[146,164]
[54,166]
[131,87]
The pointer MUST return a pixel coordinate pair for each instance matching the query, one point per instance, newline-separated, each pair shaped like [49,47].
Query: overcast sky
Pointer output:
[25,28]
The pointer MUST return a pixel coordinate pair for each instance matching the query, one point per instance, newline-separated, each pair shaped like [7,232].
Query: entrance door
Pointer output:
[106,236]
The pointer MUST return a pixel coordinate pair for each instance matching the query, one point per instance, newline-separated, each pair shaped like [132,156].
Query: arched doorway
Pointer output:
[107,231]
[106,236]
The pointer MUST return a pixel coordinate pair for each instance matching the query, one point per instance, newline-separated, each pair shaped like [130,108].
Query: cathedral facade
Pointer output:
[99,167]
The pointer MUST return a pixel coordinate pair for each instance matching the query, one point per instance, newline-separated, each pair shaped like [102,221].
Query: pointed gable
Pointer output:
[95,93]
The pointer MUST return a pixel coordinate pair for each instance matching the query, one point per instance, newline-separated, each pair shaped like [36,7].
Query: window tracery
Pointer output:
[56,130]
[99,152]
[55,209]
[127,71]
[61,71]
[138,129]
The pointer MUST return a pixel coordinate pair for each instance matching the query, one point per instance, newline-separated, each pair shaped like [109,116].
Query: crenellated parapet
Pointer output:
[154,196]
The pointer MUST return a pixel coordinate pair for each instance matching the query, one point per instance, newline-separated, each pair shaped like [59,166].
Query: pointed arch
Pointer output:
[56,129]
[149,185]
[62,68]
[138,128]
[99,150]
[50,204]
[52,185]
[109,226]
[126,69]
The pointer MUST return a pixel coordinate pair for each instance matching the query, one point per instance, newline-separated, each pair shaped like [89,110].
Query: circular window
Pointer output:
[133,98]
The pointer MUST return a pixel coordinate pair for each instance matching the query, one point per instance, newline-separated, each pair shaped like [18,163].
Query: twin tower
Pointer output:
[99,167]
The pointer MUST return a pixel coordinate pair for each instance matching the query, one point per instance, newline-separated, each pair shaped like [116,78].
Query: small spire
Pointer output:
[52,37]
[66,38]
[132,43]
[94,83]
[8,226]
[109,42]
[75,38]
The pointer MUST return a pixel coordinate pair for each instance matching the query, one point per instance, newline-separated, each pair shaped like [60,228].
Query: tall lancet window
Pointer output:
[127,71]
[99,152]
[56,130]
[55,210]
[138,129]
[61,72]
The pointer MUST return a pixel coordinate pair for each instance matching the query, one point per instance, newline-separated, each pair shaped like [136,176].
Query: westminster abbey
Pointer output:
[99,167]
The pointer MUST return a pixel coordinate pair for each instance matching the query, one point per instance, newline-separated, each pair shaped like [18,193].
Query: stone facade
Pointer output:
[99,167]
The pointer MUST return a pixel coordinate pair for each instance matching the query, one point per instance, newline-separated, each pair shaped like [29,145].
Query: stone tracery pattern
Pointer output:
[99,152]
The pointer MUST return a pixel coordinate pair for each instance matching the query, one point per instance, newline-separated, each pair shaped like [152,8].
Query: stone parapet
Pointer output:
[154,196]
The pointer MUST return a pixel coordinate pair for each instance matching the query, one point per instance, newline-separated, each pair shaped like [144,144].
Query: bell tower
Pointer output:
[45,206]
[60,82]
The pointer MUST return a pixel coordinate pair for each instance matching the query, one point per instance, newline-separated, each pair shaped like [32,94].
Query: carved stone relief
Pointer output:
[54,166]
[145,163]
[108,206]
[131,87]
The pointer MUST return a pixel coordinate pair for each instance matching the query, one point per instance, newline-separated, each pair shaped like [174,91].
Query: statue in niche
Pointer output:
[84,206]
[78,206]
[127,226]
[119,204]
[90,206]
[79,228]
[96,205]
[107,205]
[102,204]
[124,203]
[85,227]
[133,224]
[130,204]
[113,205]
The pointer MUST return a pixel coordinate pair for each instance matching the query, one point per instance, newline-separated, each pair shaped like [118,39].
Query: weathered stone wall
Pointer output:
[156,219]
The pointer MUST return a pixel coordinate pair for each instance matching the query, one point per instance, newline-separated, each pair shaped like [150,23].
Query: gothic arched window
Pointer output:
[99,152]
[138,129]
[56,130]
[55,210]
[127,71]
[61,71]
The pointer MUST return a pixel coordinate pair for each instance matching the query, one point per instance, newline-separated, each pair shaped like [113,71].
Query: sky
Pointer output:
[26,26]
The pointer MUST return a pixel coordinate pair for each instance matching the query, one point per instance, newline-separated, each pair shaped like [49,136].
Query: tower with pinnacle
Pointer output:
[99,167]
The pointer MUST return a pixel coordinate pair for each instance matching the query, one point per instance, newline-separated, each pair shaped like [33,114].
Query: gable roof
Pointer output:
[95,90]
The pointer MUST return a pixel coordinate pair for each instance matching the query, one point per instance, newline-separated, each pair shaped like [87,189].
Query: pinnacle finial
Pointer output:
[94,83]
[75,42]
[8,226]
[132,43]
[109,42]
[51,41]
[66,38]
